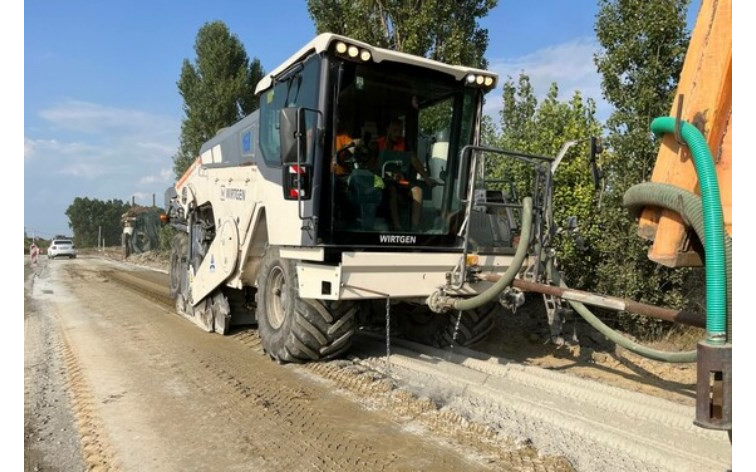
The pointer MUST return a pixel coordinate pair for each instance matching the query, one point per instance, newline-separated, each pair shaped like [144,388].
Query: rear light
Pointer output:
[297,182]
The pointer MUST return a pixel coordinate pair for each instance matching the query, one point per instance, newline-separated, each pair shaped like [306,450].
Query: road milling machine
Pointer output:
[359,183]
[359,188]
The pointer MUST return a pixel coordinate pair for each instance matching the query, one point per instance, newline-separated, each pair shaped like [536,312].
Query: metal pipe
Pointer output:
[612,303]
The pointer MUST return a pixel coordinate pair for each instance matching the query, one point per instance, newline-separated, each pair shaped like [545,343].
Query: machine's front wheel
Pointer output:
[418,323]
[293,329]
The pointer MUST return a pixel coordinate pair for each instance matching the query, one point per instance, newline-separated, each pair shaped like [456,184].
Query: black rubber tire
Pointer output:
[179,253]
[308,330]
[418,323]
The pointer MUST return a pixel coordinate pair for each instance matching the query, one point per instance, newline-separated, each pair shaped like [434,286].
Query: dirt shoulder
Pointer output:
[51,441]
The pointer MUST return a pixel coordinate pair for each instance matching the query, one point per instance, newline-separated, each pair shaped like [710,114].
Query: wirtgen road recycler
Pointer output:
[359,183]
[360,186]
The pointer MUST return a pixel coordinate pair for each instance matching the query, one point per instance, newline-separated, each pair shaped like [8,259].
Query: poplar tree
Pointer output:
[643,47]
[442,30]
[217,87]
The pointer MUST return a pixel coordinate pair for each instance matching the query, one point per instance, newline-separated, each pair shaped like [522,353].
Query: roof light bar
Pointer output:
[479,80]
[351,51]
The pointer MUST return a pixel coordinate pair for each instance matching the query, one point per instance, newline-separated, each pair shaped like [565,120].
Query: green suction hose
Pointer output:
[716,297]
[614,336]
[506,279]
[690,208]
[688,205]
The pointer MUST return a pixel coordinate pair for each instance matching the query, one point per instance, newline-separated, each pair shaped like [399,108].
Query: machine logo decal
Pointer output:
[396,238]
[233,193]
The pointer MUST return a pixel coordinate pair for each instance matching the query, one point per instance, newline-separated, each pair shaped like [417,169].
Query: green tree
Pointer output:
[443,30]
[86,216]
[643,46]
[218,89]
[542,128]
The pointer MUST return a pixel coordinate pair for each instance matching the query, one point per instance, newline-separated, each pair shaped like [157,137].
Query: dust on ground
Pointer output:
[524,337]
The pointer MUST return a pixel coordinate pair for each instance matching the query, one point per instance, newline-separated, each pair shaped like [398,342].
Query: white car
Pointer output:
[61,247]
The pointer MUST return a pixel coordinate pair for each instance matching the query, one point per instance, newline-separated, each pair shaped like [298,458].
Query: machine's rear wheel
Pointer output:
[299,330]
[418,323]
[179,253]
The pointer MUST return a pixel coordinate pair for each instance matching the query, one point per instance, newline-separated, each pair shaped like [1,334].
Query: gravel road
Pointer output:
[114,380]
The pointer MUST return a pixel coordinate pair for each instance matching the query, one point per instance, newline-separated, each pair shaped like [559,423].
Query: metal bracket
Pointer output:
[678,121]
[714,386]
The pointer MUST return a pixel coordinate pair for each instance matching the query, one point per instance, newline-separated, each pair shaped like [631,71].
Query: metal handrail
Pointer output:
[532,159]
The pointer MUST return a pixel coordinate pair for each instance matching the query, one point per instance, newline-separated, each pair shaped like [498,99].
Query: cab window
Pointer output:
[298,90]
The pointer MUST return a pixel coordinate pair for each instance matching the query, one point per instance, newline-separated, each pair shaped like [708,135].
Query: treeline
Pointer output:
[87,216]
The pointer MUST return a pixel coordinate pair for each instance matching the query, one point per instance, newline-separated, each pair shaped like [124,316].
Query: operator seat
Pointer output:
[365,195]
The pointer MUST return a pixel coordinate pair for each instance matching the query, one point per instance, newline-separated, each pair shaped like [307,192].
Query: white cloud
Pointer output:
[88,141]
[569,64]
[45,148]
[165,176]
[91,118]
[79,148]
[157,148]
[29,148]
[86,170]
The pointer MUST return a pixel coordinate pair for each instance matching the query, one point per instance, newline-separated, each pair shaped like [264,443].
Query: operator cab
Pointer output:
[397,176]
[375,161]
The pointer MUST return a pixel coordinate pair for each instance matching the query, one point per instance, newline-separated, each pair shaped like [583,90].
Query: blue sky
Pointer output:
[102,113]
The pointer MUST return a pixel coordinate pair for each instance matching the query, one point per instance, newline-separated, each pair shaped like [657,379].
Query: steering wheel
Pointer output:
[360,155]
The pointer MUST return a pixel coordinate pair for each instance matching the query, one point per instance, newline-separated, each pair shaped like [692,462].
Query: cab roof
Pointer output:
[323,41]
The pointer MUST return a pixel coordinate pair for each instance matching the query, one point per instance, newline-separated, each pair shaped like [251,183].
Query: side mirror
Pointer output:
[596,149]
[291,133]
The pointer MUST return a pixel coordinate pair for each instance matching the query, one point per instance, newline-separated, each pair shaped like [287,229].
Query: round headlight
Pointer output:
[365,55]
[341,47]
[479,80]
[353,51]
[470,78]
[489,81]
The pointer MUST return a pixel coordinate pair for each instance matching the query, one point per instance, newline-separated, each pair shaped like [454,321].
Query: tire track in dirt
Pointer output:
[95,447]
[375,390]
[277,404]
[379,391]
[263,412]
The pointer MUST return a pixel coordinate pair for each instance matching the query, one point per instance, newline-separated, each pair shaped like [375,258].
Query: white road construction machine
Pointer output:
[357,185]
